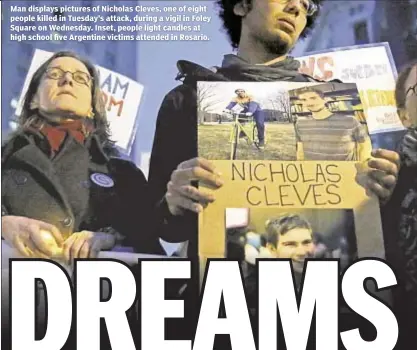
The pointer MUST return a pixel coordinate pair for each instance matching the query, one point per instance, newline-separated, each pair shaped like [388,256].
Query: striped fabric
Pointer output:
[334,138]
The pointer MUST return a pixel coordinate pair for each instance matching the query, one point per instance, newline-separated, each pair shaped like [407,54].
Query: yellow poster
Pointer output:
[291,210]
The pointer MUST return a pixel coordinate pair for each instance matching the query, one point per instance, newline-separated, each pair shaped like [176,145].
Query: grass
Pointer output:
[213,141]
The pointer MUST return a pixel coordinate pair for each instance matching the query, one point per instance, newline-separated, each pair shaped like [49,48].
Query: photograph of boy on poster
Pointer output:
[298,235]
[253,119]
[246,105]
[281,122]
[328,123]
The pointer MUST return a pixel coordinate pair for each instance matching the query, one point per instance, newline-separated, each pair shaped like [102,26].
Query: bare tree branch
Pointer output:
[279,102]
[282,103]
[207,99]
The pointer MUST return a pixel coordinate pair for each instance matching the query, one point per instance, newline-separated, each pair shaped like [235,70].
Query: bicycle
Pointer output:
[243,126]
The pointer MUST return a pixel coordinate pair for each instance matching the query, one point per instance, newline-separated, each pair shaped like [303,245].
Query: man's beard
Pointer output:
[275,46]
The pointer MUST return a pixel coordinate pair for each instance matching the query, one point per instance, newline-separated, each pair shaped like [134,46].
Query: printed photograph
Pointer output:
[296,234]
[244,121]
[274,121]
[330,123]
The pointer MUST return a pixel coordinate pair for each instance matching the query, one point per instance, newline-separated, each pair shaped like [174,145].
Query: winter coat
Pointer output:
[80,188]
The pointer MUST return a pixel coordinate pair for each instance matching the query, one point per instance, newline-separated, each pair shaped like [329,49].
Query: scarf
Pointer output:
[56,134]
[56,127]
[237,69]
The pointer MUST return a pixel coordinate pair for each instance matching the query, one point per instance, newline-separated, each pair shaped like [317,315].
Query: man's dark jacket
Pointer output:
[399,218]
[81,188]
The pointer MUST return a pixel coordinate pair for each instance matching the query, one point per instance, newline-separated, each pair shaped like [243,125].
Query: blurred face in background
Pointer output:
[65,88]
[241,93]
[296,244]
[411,99]
[312,101]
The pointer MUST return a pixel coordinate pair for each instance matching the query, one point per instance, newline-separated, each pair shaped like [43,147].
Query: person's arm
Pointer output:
[230,105]
[136,222]
[175,170]
[175,141]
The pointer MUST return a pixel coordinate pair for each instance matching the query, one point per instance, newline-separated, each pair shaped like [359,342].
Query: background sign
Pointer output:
[372,68]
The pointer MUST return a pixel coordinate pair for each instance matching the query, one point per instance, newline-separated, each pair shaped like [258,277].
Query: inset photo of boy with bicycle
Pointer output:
[281,121]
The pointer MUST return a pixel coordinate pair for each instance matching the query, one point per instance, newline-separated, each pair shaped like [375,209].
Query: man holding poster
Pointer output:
[264,32]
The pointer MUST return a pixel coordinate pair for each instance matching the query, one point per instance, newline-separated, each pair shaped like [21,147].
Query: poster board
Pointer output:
[285,186]
[344,219]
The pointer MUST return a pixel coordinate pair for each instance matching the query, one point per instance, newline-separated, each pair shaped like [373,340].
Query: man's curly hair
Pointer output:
[233,23]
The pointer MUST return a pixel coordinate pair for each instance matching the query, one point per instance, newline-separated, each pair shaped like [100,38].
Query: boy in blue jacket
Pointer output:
[250,108]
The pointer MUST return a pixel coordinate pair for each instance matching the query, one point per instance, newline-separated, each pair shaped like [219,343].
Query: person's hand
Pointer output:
[249,114]
[182,195]
[383,173]
[87,244]
[32,238]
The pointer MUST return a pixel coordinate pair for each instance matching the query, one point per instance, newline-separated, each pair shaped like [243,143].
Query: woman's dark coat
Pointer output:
[80,188]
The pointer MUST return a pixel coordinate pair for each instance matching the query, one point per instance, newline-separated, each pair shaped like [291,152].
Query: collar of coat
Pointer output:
[25,138]
[190,72]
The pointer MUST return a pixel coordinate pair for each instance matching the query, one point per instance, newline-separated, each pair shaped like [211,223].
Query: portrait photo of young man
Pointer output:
[328,135]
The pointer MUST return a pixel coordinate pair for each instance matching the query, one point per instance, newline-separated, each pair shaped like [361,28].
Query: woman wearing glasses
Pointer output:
[65,192]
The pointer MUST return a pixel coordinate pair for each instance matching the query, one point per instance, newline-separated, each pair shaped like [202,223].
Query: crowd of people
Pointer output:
[67,193]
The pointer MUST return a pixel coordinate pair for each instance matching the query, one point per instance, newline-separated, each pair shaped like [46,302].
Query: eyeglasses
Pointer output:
[413,89]
[57,73]
[308,7]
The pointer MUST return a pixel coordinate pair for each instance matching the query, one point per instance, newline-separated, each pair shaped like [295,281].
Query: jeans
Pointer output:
[260,124]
